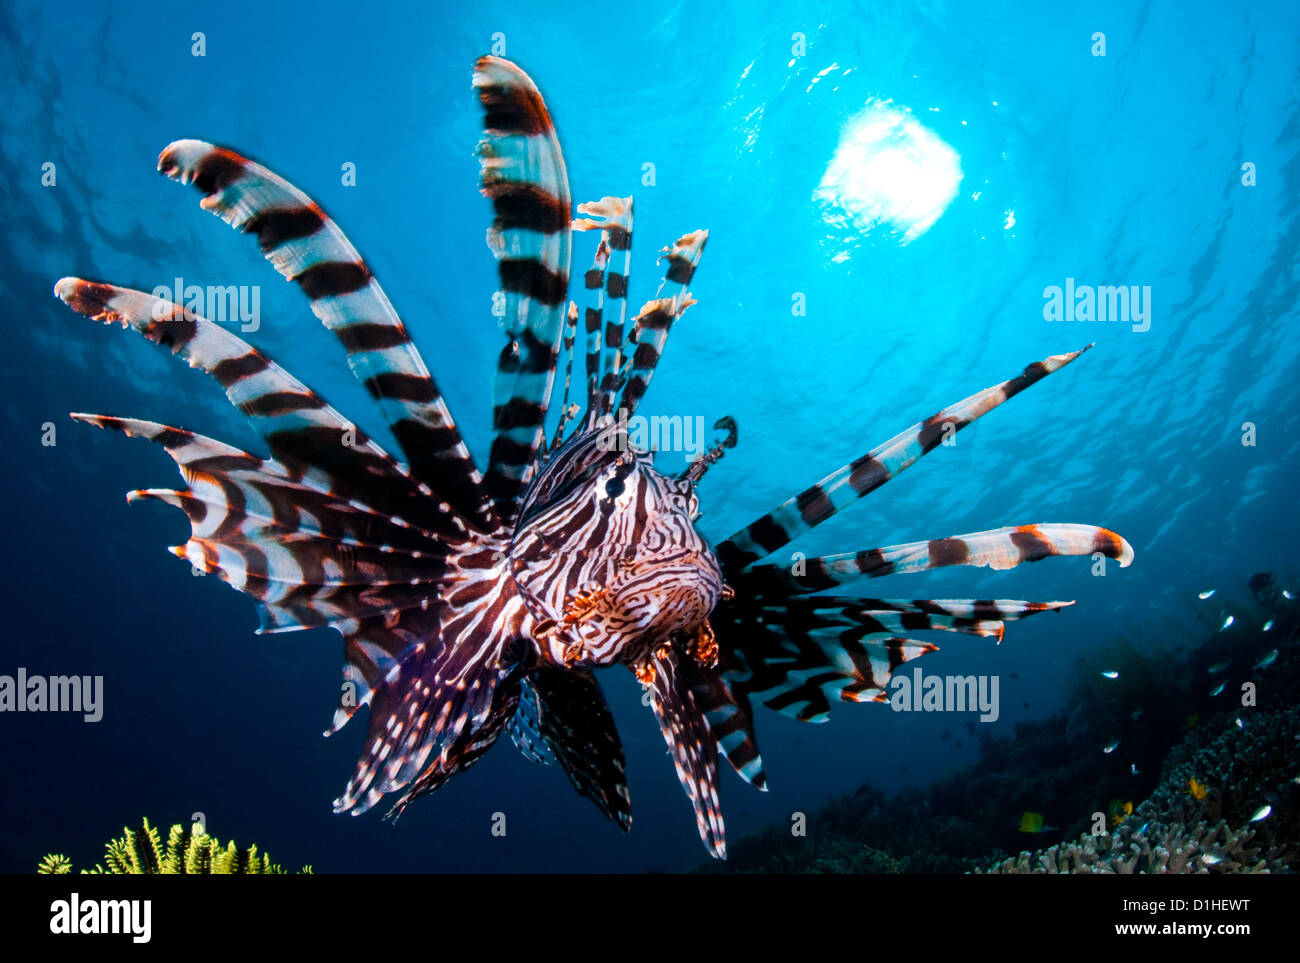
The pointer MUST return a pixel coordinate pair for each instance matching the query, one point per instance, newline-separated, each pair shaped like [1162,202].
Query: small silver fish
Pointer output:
[1133,768]
[1218,688]
[1110,674]
[1227,622]
[1262,813]
[1220,666]
[1265,662]
[1112,747]
[1206,594]
[1211,859]
[1240,724]
[1268,626]
[1286,594]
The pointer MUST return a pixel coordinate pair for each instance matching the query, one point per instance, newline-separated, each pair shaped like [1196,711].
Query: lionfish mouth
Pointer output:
[668,593]
[405,556]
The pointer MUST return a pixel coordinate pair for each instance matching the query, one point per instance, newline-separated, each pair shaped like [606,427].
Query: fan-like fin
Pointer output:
[464,752]
[301,429]
[795,659]
[1001,548]
[522,171]
[651,327]
[837,490]
[306,246]
[613,216]
[691,744]
[526,727]
[299,578]
[730,719]
[576,726]
[798,654]
[429,676]
[255,504]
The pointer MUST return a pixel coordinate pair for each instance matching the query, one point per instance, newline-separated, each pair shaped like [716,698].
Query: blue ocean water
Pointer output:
[1118,169]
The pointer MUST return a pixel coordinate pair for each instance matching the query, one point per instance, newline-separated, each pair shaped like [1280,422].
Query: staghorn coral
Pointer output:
[187,852]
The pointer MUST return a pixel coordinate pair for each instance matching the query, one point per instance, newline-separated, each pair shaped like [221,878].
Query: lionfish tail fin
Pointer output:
[864,475]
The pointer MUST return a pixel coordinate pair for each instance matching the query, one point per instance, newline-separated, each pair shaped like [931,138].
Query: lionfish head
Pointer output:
[606,555]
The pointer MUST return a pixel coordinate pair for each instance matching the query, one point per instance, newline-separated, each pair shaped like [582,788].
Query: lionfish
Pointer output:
[475,603]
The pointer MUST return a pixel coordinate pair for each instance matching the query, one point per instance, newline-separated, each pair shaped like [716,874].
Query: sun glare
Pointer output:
[889,171]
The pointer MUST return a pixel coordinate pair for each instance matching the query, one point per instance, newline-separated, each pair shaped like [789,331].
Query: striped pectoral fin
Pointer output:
[1000,548]
[429,686]
[578,731]
[522,172]
[691,744]
[608,286]
[304,581]
[235,494]
[839,489]
[797,657]
[468,749]
[730,719]
[303,432]
[307,247]
[305,557]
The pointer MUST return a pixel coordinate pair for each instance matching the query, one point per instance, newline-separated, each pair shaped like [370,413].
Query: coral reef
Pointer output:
[187,852]
[1245,766]
[1154,847]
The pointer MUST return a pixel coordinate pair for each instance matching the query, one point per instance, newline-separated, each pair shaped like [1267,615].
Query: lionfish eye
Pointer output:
[614,487]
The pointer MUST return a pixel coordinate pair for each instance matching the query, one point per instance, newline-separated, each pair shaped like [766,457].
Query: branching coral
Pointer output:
[1154,848]
[187,852]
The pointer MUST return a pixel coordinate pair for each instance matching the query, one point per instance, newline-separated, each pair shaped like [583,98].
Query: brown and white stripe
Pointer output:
[307,247]
[522,171]
[864,475]
[690,743]
[613,217]
[652,324]
[1001,548]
